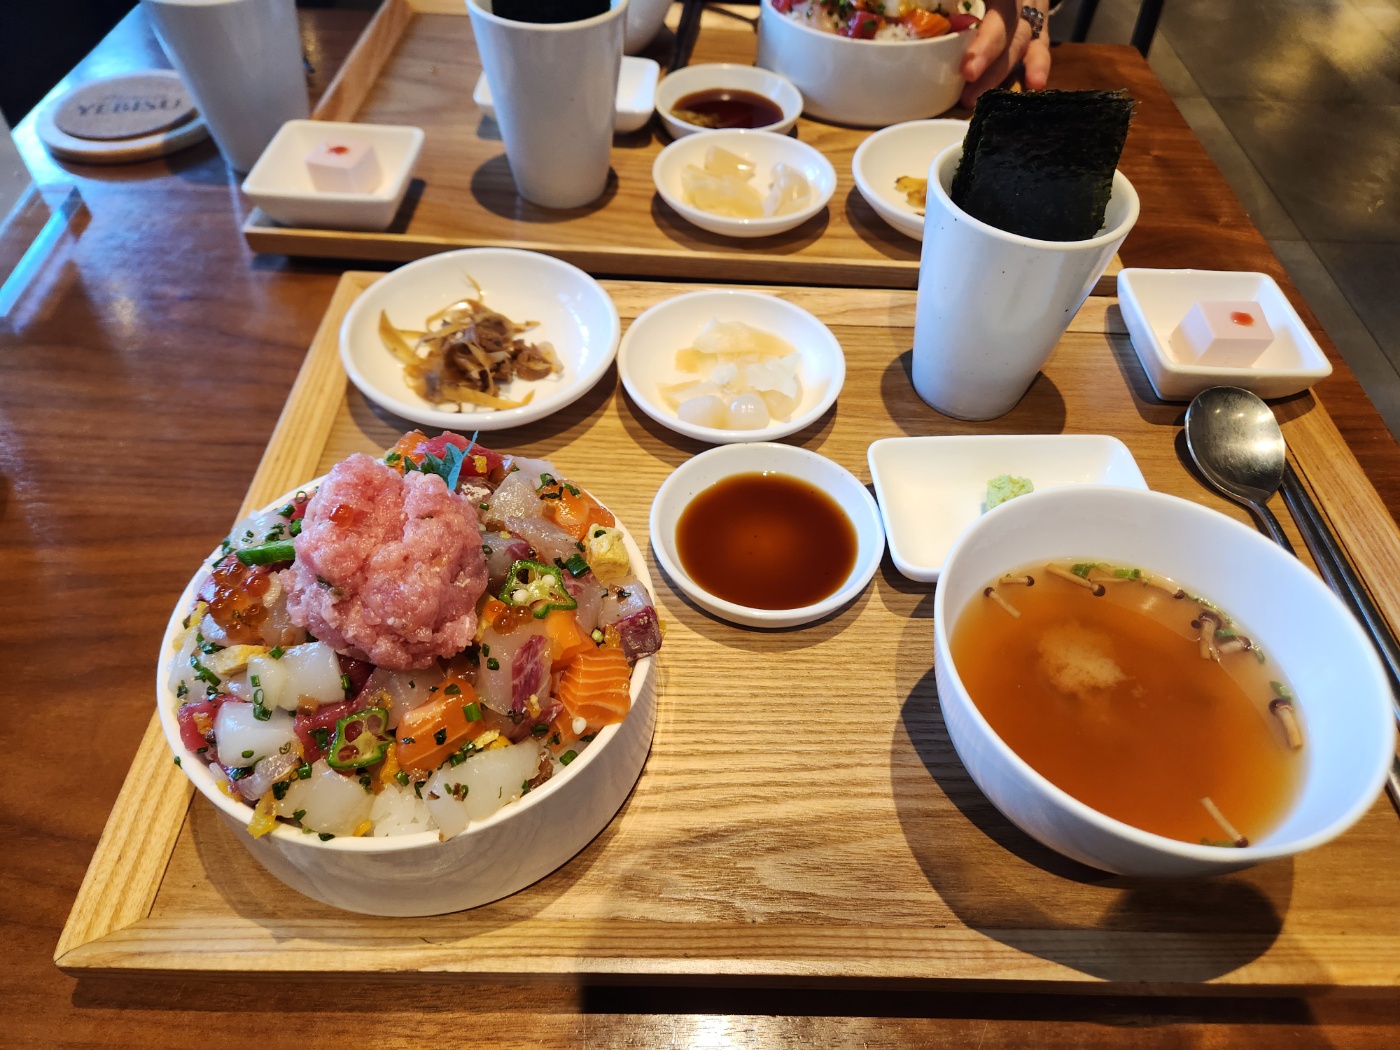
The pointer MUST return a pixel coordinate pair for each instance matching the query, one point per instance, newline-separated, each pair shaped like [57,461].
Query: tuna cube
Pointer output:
[1222,333]
[344,167]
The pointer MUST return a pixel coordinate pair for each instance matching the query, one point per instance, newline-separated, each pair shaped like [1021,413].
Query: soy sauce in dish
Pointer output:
[727,108]
[767,541]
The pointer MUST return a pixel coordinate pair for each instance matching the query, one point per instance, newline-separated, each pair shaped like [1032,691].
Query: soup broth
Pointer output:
[1140,701]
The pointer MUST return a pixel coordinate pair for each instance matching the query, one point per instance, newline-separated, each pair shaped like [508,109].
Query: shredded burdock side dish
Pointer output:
[467,353]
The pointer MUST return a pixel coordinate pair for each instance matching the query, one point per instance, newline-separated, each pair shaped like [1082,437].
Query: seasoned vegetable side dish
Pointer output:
[412,644]
[466,353]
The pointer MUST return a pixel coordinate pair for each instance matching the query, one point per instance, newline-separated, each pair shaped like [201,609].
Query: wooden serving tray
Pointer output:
[802,818]
[417,63]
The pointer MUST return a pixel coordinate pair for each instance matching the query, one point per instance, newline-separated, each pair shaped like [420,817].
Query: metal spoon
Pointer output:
[1236,443]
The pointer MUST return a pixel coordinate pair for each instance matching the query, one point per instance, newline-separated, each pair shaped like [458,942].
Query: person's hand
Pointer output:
[1003,40]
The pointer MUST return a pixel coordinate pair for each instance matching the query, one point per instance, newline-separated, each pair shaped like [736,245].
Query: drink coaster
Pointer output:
[121,119]
[124,107]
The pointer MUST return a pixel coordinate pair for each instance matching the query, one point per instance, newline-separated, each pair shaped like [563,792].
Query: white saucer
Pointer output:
[636,93]
[932,488]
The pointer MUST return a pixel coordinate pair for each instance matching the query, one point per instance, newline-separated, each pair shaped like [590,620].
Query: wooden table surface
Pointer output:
[141,374]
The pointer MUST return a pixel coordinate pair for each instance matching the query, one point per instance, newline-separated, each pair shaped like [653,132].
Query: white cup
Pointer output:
[241,59]
[992,305]
[555,91]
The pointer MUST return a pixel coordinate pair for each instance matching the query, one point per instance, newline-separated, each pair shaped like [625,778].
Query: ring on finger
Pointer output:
[1035,18]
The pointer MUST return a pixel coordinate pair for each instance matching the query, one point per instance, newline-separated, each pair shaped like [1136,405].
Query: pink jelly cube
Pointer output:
[344,167]
[1222,333]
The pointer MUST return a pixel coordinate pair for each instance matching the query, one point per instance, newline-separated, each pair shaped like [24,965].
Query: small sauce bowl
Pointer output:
[711,75]
[725,461]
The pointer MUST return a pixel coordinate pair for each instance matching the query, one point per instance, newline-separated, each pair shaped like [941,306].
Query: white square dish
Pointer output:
[1155,301]
[932,488]
[280,182]
[636,93]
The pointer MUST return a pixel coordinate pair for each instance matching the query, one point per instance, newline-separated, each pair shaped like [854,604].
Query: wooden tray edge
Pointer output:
[352,83]
[124,875]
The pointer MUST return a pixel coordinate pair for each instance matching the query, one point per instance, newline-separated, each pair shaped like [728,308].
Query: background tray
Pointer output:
[417,64]
[793,834]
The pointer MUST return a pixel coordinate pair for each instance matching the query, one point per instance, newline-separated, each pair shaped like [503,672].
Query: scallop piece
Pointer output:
[311,670]
[328,802]
[243,739]
[480,786]
[720,195]
[706,411]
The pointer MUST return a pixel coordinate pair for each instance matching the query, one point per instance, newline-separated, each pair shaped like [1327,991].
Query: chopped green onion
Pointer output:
[472,711]
[567,757]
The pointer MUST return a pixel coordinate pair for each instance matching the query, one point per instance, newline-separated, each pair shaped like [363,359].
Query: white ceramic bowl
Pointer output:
[280,183]
[716,464]
[419,874]
[1337,679]
[766,150]
[636,93]
[647,356]
[1155,301]
[709,75]
[931,489]
[573,311]
[868,83]
[902,149]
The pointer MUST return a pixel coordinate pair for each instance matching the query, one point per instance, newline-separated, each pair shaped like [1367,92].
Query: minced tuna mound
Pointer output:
[389,567]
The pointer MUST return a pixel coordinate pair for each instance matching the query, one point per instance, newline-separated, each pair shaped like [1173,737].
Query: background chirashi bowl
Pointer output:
[419,874]
[1340,689]
[868,83]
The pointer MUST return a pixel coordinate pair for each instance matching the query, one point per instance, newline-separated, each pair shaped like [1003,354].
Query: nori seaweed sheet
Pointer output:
[1040,163]
[549,12]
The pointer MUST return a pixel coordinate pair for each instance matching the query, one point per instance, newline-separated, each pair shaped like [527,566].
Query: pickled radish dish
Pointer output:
[411,644]
[726,186]
[735,377]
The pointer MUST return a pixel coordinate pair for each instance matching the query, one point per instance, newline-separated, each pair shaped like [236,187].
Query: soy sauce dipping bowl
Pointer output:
[725,461]
[1339,688]
[708,76]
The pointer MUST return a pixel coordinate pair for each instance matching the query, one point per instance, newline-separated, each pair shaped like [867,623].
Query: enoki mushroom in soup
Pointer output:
[1146,702]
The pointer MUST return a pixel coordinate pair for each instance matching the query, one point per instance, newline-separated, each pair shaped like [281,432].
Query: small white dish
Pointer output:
[766,149]
[573,312]
[636,93]
[716,464]
[1155,301]
[710,75]
[898,150]
[647,357]
[931,489]
[280,183]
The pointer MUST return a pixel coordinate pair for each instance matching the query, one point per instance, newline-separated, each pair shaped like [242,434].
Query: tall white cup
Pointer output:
[241,59]
[555,92]
[992,305]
